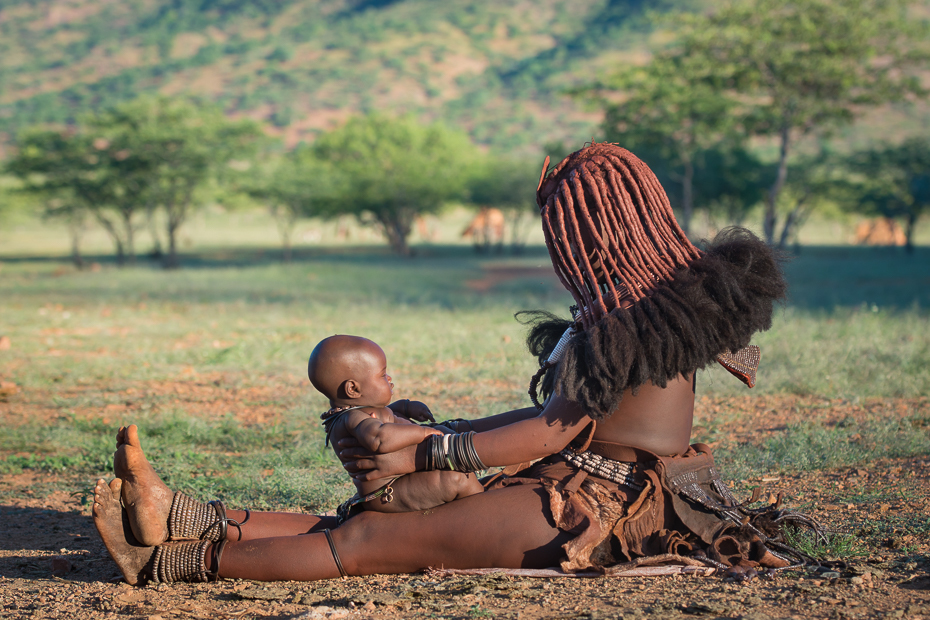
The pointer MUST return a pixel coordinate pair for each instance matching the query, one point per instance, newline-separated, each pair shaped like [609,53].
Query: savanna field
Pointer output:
[210,360]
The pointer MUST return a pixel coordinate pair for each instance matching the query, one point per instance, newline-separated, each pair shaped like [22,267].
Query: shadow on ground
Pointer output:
[47,543]
[821,278]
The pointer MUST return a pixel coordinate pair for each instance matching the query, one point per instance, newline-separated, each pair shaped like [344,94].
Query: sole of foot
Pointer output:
[113,526]
[146,498]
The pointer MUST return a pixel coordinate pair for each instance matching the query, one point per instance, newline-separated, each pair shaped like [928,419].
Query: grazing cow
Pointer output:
[485,229]
[879,231]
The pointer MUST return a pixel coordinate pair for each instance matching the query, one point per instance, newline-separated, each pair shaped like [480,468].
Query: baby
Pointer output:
[352,373]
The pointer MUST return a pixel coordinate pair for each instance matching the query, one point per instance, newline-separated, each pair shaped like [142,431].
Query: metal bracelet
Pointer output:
[455,452]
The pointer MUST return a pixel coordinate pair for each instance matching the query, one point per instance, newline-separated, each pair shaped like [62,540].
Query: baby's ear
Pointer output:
[352,388]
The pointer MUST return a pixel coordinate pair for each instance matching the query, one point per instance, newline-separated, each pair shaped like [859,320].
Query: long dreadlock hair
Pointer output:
[616,249]
[650,305]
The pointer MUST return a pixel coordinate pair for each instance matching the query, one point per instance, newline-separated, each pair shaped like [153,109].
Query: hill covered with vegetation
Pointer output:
[498,69]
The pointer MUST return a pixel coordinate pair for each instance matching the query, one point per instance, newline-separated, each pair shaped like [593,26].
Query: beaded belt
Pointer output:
[615,471]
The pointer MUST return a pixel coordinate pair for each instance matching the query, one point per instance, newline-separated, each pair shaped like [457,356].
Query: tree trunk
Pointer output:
[793,221]
[76,258]
[114,235]
[687,195]
[156,252]
[130,236]
[177,213]
[175,218]
[787,229]
[286,218]
[771,217]
[171,258]
[909,227]
[396,231]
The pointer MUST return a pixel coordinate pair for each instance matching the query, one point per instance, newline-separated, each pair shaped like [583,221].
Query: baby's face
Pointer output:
[374,381]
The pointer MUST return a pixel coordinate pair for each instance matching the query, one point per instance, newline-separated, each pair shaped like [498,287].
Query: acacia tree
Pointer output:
[894,182]
[178,147]
[806,66]
[673,108]
[297,184]
[392,170]
[73,174]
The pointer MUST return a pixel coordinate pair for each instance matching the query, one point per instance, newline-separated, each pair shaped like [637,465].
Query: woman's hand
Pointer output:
[412,410]
[363,464]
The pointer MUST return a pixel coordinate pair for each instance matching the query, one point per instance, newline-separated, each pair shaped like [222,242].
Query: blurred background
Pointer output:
[150,129]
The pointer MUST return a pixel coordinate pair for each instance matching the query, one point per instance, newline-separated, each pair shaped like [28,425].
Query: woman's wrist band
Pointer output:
[454,452]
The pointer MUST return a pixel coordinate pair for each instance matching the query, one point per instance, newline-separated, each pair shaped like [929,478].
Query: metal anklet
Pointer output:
[183,561]
[190,519]
[332,547]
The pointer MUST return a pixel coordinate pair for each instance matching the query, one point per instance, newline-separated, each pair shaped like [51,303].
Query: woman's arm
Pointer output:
[482,425]
[531,438]
[523,440]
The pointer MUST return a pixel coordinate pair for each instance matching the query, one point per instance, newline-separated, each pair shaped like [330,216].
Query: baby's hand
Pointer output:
[412,410]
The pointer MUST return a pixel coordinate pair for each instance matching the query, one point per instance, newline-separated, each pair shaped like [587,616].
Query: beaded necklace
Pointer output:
[332,414]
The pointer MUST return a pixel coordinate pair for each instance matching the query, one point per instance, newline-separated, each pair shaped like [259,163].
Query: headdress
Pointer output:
[650,305]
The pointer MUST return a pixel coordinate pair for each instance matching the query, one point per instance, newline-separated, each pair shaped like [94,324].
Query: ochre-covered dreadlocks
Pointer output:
[650,305]
[610,229]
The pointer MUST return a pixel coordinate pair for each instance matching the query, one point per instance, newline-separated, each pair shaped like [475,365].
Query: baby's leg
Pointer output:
[424,490]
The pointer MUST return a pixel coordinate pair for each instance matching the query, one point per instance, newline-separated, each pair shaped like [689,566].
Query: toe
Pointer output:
[132,435]
[115,485]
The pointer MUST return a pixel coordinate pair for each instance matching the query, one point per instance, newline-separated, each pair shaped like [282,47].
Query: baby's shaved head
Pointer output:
[340,358]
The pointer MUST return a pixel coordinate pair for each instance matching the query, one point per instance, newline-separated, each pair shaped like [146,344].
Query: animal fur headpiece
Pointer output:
[650,305]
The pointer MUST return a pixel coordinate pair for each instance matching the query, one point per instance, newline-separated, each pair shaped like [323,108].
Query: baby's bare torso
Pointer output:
[416,491]
[344,428]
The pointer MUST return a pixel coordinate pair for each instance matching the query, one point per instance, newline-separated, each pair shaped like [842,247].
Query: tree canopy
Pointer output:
[394,169]
[800,67]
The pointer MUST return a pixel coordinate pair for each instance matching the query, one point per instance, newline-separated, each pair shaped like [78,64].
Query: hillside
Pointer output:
[496,68]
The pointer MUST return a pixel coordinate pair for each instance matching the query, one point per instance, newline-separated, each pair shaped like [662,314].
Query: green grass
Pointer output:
[238,326]
[836,545]
[810,447]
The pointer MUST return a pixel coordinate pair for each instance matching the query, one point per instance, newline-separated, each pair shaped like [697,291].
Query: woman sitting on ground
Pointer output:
[617,483]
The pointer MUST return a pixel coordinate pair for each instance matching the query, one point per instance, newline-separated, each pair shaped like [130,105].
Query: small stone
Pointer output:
[61,566]
[323,613]
[830,575]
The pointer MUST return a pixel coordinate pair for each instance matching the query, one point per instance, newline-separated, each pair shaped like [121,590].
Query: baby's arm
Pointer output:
[381,438]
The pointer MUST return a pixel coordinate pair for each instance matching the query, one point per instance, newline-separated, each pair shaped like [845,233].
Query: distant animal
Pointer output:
[485,229]
[427,229]
[879,231]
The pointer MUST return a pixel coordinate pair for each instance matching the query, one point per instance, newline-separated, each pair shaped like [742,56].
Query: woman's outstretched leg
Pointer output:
[504,528]
[148,500]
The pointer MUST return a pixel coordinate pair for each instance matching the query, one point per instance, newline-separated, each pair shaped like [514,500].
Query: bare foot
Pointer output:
[113,525]
[146,498]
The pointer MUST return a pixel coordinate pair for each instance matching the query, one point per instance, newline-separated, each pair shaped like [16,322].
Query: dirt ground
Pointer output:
[52,565]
